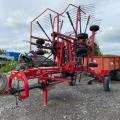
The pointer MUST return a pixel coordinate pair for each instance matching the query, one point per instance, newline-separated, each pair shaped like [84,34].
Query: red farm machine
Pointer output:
[60,35]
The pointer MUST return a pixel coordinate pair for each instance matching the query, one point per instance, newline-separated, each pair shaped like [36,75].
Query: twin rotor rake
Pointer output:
[61,38]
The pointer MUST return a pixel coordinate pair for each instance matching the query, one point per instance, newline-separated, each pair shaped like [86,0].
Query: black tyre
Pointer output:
[26,58]
[71,77]
[82,36]
[90,82]
[72,83]
[40,52]
[92,65]
[115,75]
[106,83]
[118,75]
[82,51]
[94,28]
[54,34]
[40,41]
[3,82]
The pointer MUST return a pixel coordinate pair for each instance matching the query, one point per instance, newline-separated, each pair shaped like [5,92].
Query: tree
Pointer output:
[2,51]
[97,51]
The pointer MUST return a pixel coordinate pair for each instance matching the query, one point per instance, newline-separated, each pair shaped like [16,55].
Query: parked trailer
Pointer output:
[108,64]
[108,68]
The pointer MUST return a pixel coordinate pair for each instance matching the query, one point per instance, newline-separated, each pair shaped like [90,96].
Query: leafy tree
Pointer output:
[2,51]
[97,51]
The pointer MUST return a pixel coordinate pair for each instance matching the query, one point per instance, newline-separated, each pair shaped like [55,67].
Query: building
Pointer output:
[12,55]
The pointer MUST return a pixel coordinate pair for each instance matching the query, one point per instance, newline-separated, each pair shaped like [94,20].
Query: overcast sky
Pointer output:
[15,16]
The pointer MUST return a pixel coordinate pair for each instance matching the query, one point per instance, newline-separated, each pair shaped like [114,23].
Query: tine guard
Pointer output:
[19,76]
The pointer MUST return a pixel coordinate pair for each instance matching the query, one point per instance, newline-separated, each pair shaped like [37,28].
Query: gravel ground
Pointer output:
[81,102]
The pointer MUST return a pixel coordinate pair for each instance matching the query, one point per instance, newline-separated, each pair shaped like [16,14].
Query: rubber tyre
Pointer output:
[73,82]
[82,36]
[94,28]
[115,75]
[40,52]
[106,84]
[26,58]
[70,77]
[118,75]
[55,35]
[3,82]
[92,65]
[81,51]
[89,82]
[73,79]
[40,41]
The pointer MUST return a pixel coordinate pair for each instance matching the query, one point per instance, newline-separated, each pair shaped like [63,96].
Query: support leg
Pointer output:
[45,96]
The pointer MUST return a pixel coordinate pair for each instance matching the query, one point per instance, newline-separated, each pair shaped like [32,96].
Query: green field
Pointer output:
[6,66]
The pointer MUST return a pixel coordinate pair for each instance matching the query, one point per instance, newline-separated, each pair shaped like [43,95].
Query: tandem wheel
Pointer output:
[106,83]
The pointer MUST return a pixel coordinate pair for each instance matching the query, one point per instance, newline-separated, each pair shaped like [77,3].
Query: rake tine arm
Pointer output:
[43,31]
[51,21]
[87,23]
[61,25]
[71,22]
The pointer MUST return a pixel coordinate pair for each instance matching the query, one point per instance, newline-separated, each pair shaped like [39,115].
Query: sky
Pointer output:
[15,17]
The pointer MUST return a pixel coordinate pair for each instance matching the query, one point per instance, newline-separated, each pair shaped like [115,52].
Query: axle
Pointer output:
[13,91]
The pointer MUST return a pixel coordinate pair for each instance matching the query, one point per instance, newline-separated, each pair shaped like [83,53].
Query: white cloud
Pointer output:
[109,41]
[15,17]
[9,22]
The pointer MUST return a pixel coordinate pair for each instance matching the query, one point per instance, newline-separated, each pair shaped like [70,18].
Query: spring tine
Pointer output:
[61,25]
[71,22]
[80,21]
[87,23]
[51,20]
[43,31]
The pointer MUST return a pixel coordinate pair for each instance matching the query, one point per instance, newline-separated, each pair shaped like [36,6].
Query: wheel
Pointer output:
[17,85]
[73,80]
[3,82]
[92,65]
[106,84]
[40,41]
[94,28]
[25,58]
[40,52]
[118,75]
[115,75]
[72,83]
[82,36]
[90,82]
[54,34]
[28,60]
[81,51]
[71,77]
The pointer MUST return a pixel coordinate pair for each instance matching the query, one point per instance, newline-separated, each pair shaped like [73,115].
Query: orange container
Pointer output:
[106,63]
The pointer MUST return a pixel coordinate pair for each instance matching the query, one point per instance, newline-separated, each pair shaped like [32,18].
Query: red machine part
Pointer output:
[60,43]
[42,75]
